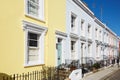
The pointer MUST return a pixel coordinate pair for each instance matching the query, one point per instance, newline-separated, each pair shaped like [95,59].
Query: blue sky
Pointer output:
[110,12]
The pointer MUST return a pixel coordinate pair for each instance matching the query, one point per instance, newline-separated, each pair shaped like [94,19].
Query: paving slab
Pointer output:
[102,73]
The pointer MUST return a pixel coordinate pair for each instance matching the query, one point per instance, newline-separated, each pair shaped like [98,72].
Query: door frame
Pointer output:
[62,36]
[60,51]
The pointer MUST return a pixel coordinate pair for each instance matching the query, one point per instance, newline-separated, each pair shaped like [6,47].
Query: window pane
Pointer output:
[32,36]
[32,0]
[72,45]
[33,58]
[33,39]
[33,43]
[35,1]
[33,7]
[82,25]
[33,55]
[59,40]
[72,21]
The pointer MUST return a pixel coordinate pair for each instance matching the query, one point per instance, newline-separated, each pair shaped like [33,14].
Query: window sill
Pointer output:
[74,33]
[73,51]
[36,18]
[33,47]
[33,64]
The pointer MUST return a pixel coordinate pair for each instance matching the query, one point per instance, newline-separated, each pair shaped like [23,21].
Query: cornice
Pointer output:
[33,26]
[90,40]
[90,13]
[99,23]
[61,33]
[75,36]
[81,5]
[82,38]
[110,31]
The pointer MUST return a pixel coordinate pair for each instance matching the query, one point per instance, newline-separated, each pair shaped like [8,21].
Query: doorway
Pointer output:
[59,51]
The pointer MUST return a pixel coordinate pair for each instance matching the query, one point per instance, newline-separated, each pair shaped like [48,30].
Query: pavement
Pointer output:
[114,76]
[101,74]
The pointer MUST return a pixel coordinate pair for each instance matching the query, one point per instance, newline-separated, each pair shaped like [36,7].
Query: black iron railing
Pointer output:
[47,73]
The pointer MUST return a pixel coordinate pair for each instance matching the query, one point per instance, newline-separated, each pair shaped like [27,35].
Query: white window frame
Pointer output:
[97,49]
[89,28]
[62,36]
[82,25]
[37,29]
[96,33]
[73,46]
[40,10]
[73,52]
[89,48]
[38,36]
[100,32]
[73,29]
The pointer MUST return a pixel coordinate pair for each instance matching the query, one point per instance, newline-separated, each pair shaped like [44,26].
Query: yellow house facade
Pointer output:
[29,33]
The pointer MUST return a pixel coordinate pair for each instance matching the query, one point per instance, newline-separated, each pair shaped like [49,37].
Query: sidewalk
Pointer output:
[100,75]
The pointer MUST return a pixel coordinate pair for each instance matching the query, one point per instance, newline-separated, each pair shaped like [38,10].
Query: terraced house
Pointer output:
[49,32]
[30,30]
[89,39]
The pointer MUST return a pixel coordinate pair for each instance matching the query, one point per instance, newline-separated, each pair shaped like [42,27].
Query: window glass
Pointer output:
[33,7]
[89,28]
[72,45]
[73,18]
[33,40]
[82,22]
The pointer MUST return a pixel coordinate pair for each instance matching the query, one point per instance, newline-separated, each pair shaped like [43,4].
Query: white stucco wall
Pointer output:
[73,8]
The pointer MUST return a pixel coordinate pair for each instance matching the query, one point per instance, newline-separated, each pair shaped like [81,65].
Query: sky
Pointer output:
[108,11]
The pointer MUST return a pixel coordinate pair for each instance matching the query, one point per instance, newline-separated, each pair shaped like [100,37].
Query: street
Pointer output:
[114,76]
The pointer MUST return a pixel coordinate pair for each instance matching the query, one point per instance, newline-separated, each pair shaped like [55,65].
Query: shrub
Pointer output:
[96,65]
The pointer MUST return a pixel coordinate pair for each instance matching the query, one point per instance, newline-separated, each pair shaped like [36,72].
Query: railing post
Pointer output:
[35,75]
[14,77]
[57,73]
[3,78]
[39,75]
[28,75]
[22,76]
[17,77]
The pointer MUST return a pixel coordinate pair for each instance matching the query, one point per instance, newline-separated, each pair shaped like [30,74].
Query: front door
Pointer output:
[59,52]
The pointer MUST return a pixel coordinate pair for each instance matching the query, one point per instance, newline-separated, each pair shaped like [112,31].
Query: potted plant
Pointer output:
[95,67]
[72,67]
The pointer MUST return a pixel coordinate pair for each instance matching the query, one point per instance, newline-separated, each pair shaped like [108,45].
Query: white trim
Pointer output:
[62,36]
[31,27]
[82,6]
[61,33]
[83,13]
[74,28]
[73,14]
[41,15]
[74,36]
[75,56]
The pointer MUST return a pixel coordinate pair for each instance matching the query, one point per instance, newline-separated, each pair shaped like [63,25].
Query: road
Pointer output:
[114,76]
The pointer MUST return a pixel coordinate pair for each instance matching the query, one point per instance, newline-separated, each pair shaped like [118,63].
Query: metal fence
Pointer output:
[47,73]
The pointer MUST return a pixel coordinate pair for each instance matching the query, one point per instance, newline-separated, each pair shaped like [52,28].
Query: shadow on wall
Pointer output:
[4,76]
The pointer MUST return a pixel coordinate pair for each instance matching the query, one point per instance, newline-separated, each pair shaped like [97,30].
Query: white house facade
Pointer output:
[88,39]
